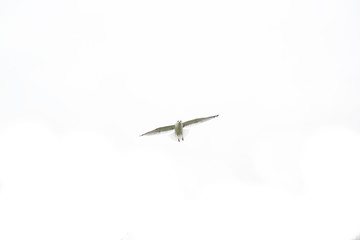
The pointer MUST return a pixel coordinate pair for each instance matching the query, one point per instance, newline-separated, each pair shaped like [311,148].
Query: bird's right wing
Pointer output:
[159,130]
[198,120]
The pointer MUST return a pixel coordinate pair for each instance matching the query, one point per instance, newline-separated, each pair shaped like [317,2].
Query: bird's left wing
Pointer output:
[159,130]
[198,120]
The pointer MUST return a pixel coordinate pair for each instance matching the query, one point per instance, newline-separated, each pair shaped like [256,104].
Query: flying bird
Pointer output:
[179,125]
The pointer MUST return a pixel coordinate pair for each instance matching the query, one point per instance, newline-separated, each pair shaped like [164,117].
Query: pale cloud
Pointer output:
[81,80]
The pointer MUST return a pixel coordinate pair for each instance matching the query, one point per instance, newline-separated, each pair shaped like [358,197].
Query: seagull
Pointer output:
[179,125]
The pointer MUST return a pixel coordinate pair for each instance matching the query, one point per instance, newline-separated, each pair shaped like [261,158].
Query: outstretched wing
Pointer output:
[198,120]
[159,130]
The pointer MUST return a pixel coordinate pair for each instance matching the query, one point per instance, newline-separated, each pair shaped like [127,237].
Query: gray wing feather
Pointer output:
[198,120]
[159,130]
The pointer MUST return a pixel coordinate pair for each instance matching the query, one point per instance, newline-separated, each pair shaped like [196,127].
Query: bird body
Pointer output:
[179,125]
[179,130]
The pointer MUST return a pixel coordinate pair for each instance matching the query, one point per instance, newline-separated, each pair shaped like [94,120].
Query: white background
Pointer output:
[81,80]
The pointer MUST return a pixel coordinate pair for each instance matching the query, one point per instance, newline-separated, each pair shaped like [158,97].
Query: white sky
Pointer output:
[80,80]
